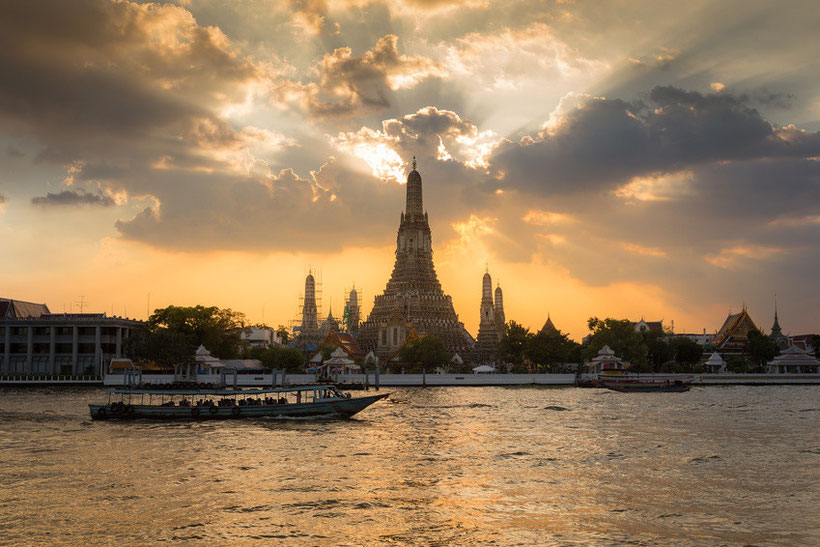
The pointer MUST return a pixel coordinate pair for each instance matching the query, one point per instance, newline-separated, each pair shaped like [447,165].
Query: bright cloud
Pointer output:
[431,132]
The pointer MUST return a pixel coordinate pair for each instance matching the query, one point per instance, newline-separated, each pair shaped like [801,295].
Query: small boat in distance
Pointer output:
[645,385]
[216,404]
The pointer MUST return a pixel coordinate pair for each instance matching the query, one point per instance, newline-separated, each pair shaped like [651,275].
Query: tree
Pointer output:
[620,336]
[815,341]
[424,353]
[161,346]
[219,330]
[326,350]
[736,363]
[657,349]
[512,345]
[548,348]
[760,349]
[282,332]
[685,350]
[275,357]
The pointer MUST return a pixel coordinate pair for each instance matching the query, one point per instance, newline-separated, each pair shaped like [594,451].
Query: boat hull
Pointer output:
[339,407]
[644,388]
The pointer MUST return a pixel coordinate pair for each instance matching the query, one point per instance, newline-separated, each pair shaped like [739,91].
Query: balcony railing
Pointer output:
[50,379]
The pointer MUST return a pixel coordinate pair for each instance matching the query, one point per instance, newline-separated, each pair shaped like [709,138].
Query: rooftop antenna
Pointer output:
[82,303]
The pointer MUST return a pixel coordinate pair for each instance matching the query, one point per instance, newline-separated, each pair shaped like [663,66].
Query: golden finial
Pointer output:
[414,163]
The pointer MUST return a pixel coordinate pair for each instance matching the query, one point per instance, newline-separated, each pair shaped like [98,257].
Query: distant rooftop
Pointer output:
[20,309]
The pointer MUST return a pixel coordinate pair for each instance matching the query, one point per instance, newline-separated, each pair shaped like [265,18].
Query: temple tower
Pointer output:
[488,337]
[500,319]
[548,327]
[777,335]
[309,335]
[352,313]
[331,324]
[413,300]
[309,312]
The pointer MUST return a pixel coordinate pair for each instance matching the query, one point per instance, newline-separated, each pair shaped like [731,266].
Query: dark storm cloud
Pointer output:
[605,143]
[751,217]
[3,199]
[117,78]
[285,212]
[70,197]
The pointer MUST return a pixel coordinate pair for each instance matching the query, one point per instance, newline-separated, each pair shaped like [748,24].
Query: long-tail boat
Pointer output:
[217,404]
[635,385]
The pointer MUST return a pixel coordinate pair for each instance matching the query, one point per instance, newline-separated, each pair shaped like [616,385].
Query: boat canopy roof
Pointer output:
[143,391]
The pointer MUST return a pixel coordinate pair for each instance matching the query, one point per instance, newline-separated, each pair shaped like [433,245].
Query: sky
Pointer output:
[621,158]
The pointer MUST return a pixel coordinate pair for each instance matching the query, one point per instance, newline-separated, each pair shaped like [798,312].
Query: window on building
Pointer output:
[41,348]
[65,331]
[395,335]
[62,348]
[384,337]
[19,348]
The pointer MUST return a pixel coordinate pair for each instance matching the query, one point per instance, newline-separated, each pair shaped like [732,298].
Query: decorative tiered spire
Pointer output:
[488,328]
[414,207]
[413,301]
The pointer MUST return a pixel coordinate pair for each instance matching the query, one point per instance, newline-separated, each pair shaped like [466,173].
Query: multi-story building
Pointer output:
[36,341]
[262,337]
[700,339]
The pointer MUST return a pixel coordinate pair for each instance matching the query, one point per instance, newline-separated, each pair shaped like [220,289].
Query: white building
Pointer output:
[698,338]
[793,360]
[35,341]
[264,338]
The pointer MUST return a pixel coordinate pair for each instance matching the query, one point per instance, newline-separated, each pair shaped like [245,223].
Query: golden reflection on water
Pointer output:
[439,466]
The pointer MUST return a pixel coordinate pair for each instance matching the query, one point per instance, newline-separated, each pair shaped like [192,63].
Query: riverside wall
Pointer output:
[399,380]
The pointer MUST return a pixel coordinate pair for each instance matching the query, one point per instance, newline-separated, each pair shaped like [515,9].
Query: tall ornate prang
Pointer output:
[777,335]
[309,329]
[351,313]
[488,335]
[500,318]
[413,299]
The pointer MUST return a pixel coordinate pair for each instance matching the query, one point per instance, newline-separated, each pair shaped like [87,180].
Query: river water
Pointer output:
[435,466]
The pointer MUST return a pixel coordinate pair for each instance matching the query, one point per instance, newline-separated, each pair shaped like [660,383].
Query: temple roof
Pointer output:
[715,360]
[606,355]
[345,341]
[19,309]
[794,356]
[656,326]
[548,326]
[737,325]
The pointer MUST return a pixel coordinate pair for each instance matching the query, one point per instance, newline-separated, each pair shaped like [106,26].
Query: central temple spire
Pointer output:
[413,302]
[414,207]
